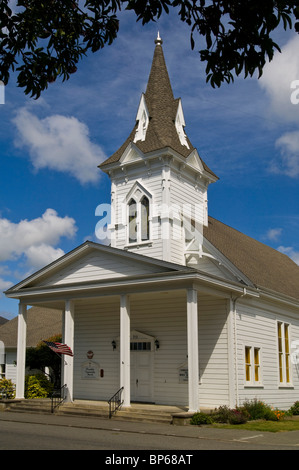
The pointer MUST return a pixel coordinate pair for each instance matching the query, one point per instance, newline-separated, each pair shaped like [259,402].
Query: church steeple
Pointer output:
[157,175]
[160,120]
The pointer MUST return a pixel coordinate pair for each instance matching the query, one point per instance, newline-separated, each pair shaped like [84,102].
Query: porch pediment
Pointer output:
[92,262]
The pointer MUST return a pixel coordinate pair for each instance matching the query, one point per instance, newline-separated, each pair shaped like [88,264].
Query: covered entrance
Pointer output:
[102,300]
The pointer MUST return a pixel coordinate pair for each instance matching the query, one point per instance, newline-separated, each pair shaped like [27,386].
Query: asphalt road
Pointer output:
[146,443]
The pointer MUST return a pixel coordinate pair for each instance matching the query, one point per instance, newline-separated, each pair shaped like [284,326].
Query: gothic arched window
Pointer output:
[138,202]
[144,215]
[132,221]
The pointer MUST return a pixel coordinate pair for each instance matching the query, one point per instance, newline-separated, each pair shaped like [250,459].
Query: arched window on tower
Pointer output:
[144,206]
[139,207]
[132,221]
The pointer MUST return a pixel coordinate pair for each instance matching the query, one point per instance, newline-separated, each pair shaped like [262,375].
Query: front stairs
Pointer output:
[137,412]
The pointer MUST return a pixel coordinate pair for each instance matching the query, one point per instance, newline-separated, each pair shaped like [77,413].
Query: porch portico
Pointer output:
[138,331]
[112,366]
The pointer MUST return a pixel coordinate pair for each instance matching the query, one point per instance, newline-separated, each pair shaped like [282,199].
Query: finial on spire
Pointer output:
[158,41]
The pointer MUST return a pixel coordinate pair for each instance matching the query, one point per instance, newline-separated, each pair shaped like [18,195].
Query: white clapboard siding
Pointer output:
[257,327]
[10,365]
[96,325]
[213,352]
[185,192]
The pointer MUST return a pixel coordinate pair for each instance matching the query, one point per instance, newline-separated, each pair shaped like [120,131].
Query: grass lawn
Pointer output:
[287,424]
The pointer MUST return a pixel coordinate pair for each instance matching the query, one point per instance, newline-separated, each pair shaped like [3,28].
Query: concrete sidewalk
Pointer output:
[282,440]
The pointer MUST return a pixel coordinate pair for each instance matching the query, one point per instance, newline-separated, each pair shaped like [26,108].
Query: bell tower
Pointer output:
[159,182]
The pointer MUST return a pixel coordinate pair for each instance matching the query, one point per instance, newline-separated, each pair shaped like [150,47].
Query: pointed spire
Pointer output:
[158,41]
[158,95]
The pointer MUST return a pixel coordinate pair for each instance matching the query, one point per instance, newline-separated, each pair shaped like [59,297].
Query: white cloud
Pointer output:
[59,143]
[289,251]
[35,238]
[41,255]
[4,285]
[273,234]
[288,144]
[277,79]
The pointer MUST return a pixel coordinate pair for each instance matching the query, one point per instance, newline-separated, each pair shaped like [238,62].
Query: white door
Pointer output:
[141,371]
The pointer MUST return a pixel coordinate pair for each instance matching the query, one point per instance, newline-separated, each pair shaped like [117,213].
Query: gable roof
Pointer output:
[162,107]
[266,267]
[42,323]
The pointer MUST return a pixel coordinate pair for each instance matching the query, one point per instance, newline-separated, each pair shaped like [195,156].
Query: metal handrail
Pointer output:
[115,402]
[57,397]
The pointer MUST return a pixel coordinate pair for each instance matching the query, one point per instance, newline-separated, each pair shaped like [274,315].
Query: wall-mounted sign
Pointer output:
[90,370]
[183,375]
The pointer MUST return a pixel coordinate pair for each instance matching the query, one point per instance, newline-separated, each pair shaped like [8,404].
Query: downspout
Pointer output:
[234,301]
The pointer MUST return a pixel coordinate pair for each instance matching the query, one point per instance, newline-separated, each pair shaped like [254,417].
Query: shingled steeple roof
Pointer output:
[163,128]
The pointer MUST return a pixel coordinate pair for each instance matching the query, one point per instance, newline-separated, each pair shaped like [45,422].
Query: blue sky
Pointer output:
[247,133]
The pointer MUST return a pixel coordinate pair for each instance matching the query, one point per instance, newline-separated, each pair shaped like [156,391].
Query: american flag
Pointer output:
[59,348]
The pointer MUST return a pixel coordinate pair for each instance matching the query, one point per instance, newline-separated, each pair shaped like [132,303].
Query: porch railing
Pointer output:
[57,397]
[115,402]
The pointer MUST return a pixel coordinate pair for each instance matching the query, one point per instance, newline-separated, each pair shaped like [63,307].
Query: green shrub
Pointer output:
[256,409]
[223,414]
[8,386]
[201,418]
[37,386]
[259,410]
[294,410]
[237,417]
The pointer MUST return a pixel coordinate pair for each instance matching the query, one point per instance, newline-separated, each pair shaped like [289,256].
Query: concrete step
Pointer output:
[137,412]
[142,417]
[29,406]
[124,415]
[82,410]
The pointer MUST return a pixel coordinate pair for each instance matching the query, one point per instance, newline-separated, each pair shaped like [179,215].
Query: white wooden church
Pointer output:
[180,309]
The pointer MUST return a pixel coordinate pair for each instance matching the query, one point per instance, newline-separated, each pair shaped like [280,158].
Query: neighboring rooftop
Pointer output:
[42,323]
[3,320]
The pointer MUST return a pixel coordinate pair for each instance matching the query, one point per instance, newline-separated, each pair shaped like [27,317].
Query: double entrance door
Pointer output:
[142,350]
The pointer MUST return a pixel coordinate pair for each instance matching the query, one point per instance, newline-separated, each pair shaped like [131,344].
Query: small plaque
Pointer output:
[90,370]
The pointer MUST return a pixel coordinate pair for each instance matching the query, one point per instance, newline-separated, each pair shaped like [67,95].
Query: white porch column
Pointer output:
[21,351]
[192,336]
[68,338]
[125,348]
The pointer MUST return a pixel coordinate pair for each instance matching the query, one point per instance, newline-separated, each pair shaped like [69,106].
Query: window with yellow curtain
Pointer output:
[283,352]
[252,365]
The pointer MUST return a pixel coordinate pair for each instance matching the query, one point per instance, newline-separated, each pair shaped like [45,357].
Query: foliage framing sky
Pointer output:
[247,133]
